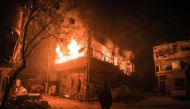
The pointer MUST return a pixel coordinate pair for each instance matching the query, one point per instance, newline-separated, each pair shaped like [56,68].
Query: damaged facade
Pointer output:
[172,74]
[84,76]
[83,65]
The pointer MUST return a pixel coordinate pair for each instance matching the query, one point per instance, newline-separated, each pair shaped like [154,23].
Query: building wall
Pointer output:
[69,85]
[104,73]
[10,30]
[169,80]
[170,61]
[4,78]
[100,73]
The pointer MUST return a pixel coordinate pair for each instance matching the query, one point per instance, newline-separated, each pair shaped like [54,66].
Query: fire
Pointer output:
[107,54]
[74,53]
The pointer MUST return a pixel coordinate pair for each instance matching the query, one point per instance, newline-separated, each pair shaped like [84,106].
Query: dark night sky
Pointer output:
[138,19]
[138,25]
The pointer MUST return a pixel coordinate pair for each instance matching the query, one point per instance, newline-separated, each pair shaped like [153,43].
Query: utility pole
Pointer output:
[47,74]
[88,66]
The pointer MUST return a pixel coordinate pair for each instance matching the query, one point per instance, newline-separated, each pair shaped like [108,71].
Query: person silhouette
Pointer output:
[19,93]
[105,97]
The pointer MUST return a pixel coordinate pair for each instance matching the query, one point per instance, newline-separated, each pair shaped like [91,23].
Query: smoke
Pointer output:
[108,20]
[135,25]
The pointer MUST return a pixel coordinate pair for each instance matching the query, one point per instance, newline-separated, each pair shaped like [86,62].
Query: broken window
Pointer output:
[155,54]
[166,51]
[183,64]
[157,68]
[185,48]
[166,67]
[176,65]
[169,67]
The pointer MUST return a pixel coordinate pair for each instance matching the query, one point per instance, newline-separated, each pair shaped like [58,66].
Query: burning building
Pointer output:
[172,75]
[83,70]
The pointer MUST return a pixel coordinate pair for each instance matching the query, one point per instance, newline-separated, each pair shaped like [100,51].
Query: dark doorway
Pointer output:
[162,87]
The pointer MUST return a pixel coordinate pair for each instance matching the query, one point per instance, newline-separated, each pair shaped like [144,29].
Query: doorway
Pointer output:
[162,87]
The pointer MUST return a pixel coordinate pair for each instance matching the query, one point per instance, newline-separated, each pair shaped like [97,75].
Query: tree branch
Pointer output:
[35,45]
[37,35]
[48,32]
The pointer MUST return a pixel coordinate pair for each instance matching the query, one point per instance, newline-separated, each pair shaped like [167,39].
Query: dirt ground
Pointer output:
[152,102]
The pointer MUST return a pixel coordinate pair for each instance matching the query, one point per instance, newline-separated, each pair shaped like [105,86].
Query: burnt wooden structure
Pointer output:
[85,77]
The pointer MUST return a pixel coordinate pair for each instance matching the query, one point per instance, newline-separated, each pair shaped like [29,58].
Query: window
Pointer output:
[166,51]
[162,68]
[156,54]
[174,48]
[183,64]
[176,65]
[157,68]
[165,67]
[169,67]
[184,48]
[179,82]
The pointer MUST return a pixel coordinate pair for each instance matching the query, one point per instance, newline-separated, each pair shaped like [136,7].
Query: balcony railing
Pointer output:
[172,71]
[103,57]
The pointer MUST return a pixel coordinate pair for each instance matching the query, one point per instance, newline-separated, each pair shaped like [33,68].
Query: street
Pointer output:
[153,102]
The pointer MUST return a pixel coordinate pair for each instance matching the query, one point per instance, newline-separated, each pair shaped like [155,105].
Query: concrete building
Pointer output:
[86,75]
[171,72]
[10,31]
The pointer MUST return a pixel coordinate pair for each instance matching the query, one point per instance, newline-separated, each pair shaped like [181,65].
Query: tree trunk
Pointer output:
[10,85]
[17,71]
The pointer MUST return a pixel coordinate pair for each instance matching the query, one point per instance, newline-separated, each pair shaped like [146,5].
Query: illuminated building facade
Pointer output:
[85,75]
[171,61]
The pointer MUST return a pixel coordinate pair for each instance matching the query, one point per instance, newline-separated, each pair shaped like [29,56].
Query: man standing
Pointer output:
[105,98]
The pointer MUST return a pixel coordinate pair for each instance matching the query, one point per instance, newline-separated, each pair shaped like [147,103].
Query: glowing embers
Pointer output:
[73,52]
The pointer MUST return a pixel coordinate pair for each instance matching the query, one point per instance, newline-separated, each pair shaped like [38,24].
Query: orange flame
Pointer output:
[74,53]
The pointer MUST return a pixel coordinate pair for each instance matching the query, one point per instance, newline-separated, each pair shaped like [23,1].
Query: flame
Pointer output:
[74,53]
[107,56]
[115,61]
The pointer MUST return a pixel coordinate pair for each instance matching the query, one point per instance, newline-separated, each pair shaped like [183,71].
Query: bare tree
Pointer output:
[36,11]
